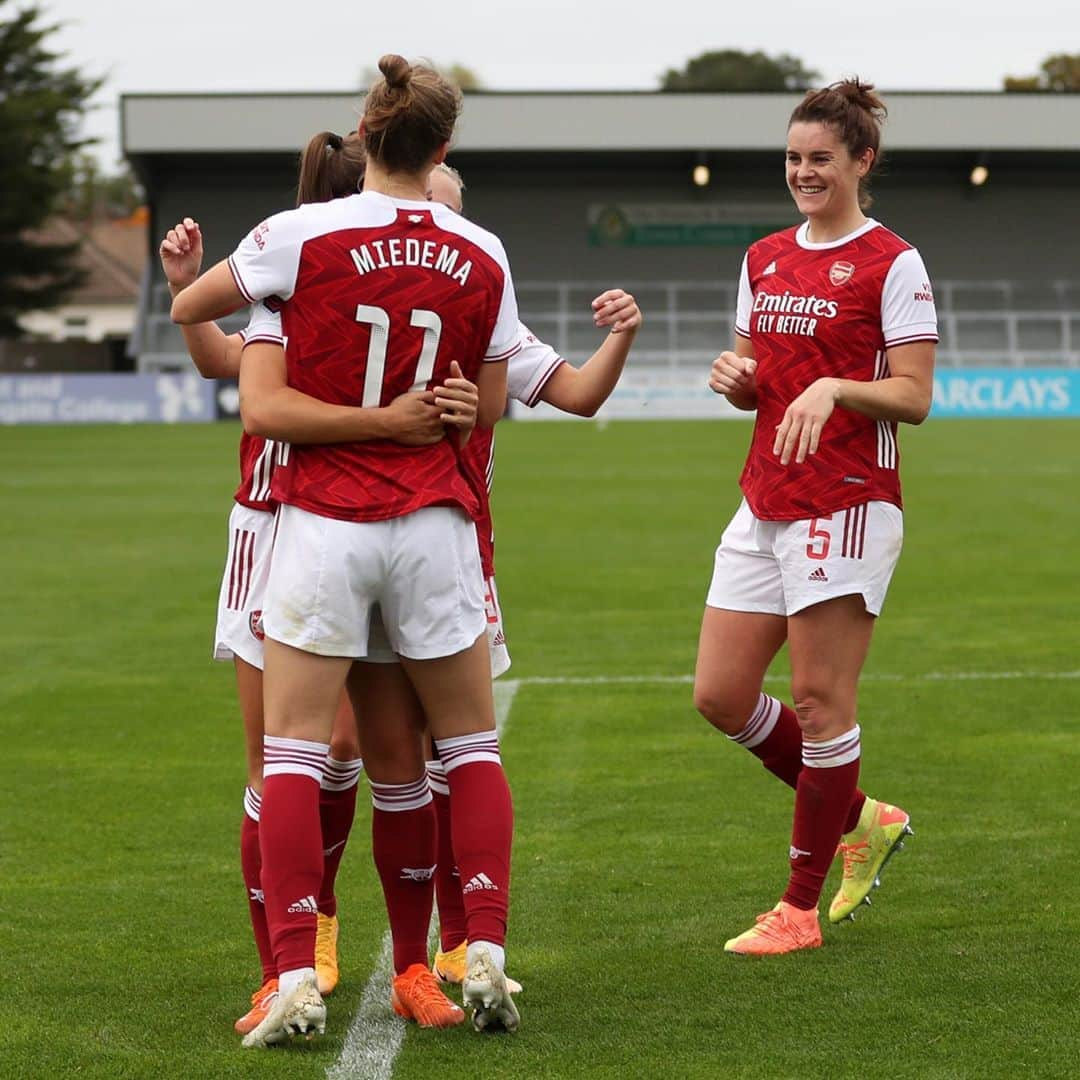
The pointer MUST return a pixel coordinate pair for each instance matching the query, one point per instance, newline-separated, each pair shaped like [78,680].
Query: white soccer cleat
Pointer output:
[485,990]
[300,1013]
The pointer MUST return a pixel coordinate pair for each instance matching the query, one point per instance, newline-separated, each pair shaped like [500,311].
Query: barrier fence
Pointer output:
[642,393]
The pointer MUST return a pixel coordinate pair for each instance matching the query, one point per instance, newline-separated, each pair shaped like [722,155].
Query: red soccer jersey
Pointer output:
[526,376]
[257,455]
[377,296]
[256,472]
[815,310]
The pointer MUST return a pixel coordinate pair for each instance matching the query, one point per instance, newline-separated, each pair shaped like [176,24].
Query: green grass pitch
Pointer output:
[644,839]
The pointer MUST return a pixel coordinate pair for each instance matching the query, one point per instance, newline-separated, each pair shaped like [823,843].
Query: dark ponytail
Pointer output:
[330,167]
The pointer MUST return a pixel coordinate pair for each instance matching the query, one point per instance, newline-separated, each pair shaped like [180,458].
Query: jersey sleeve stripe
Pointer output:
[272,339]
[742,331]
[927,335]
[505,354]
[534,398]
[239,282]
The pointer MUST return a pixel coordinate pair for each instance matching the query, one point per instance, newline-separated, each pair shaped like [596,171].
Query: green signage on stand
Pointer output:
[684,224]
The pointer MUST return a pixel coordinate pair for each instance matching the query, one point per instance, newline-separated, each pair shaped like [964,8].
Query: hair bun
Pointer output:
[397,71]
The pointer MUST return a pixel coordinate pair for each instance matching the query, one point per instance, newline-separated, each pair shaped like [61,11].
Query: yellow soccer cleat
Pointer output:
[449,967]
[865,850]
[262,1002]
[784,929]
[326,967]
[415,994]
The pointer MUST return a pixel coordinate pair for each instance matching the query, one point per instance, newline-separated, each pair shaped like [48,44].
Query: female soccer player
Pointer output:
[377,293]
[834,346]
[536,373]
[330,167]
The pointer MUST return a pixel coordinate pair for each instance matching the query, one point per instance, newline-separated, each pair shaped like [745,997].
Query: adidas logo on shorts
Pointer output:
[818,575]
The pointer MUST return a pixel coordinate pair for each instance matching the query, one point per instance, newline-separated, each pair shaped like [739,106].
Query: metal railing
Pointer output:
[989,323]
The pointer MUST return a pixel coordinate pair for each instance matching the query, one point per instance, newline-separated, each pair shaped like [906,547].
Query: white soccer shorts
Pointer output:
[782,567]
[421,571]
[239,629]
[500,654]
[379,651]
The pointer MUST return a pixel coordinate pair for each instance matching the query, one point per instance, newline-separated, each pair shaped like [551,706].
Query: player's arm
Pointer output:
[733,375]
[209,297]
[216,354]
[905,396]
[491,392]
[271,408]
[583,390]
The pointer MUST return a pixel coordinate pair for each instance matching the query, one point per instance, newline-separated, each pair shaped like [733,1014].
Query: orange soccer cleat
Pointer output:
[261,1003]
[415,994]
[782,930]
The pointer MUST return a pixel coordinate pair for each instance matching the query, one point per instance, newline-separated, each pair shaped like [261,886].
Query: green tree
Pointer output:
[730,69]
[93,195]
[41,106]
[1060,72]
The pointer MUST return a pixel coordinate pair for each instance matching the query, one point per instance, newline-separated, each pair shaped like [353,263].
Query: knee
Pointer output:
[721,708]
[344,746]
[821,714]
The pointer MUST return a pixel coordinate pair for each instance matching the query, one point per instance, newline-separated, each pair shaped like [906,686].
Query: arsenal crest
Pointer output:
[255,625]
[840,272]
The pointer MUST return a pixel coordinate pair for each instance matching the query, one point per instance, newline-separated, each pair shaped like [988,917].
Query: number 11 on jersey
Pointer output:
[379,320]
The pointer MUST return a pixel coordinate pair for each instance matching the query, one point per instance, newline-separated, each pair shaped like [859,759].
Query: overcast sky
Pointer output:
[216,45]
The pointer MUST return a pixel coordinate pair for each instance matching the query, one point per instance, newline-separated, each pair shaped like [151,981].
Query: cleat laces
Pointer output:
[854,855]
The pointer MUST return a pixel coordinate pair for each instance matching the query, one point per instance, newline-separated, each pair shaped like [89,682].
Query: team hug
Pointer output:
[359,603]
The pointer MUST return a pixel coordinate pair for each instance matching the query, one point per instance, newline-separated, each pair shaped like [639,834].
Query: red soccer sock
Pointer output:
[291,843]
[404,848]
[448,895]
[337,808]
[824,793]
[772,734]
[482,823]
[251,868]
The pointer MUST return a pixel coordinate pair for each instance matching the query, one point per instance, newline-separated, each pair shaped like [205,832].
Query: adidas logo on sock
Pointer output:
[770,269]
[305,906]
[818,575]
[480,881]
[419,873]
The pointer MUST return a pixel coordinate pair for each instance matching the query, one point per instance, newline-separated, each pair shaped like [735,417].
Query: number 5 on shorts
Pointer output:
[818,534]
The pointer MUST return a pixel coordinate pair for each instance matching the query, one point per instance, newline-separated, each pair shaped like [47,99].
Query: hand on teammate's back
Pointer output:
[459,400]
[415,419]
[618,310]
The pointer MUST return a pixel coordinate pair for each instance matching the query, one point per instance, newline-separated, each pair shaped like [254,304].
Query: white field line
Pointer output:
[925,676]
[375,1034]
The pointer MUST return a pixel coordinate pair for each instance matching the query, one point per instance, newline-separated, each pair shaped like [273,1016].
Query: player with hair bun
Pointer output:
[331,166]
[378,293]
[834,347]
